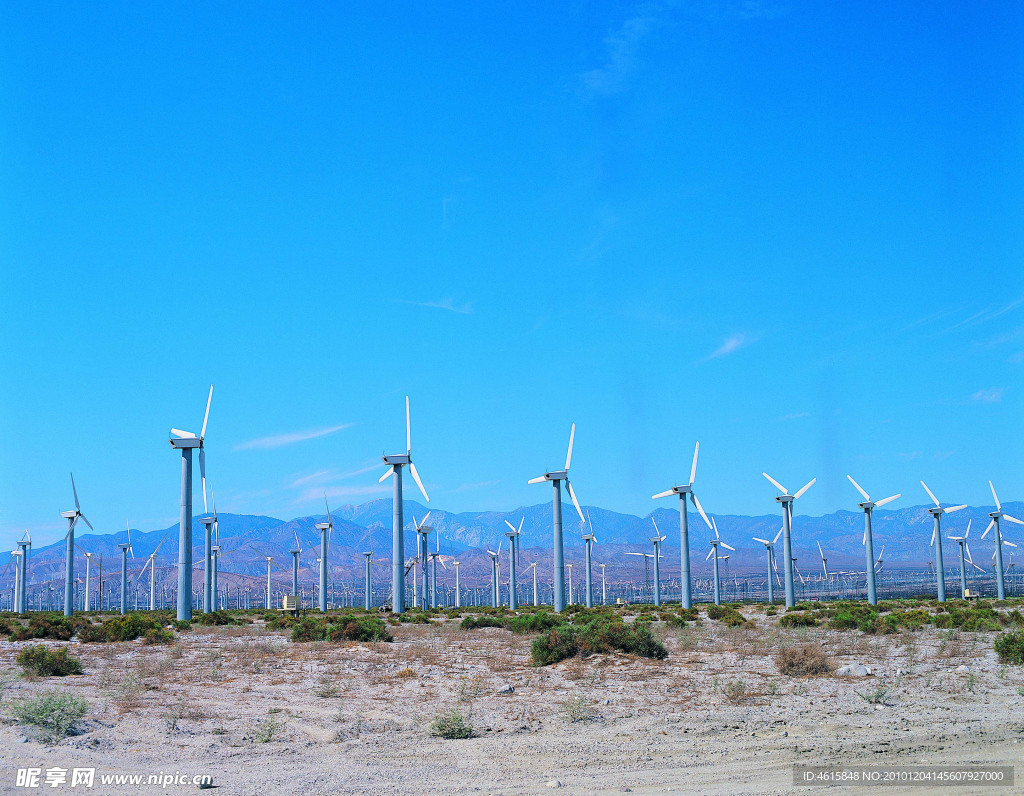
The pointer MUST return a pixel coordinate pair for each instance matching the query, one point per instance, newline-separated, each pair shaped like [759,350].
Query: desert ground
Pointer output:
[264,715]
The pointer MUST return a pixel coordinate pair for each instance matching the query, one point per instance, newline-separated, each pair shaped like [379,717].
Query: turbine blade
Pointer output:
[408,428]
[934,532]
[935,500]
[86,521]
[700,508]
[182,434]
[859,488]
[804,488]
[991,523]
[820,553]
[714,526]
[727,547]
[510,525]
[206,417]
[390,472]
[568,454]
[419,483]
[711,552]
[539,479]
[995,496]
[521,521]
[1011,544]
[575,502]
[75,491]
[202,464]
[71,527]
[657,530]
[328,507]
[662,494]
[693,467]
[762,541]
[1012,519]
[206,510]
[968,529]
[890,499]
[951,509]
[778,486]
[778,534]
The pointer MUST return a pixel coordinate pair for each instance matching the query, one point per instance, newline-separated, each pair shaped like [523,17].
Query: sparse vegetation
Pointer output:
[451,725]
[346,627]
[798,619]
[876,697]
[267,730]
[157,635]
[804,659]
[41,661]
[1009,647]
[576,708]
[52,714]
[601,634]
[726,614]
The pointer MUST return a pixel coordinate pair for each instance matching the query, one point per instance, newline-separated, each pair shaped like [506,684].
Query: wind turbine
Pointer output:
[556,477]
[657,539]
[869,506]
[69,568]
[786,500]
[962,542]
[152,574]
[684,532]
[495,554]
[434,558]
[395,464]
[214,554]
[296,552]
[186,442]
[25,548]
[17,554]
[589,539]
[770,548]
[207,521]
[513,534]
[326,529]
[422,555]
[824,562]
[604,586]
[368,596]
[533,566]
[647,571]
[270,563]
[937,512]
[714,552]
[126,548]
[88,563]
[997,515]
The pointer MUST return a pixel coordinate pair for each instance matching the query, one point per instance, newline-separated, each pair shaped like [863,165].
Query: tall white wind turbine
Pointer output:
[786,500]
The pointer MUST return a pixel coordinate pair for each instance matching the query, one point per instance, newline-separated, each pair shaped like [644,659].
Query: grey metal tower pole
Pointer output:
[268,585]
[433,582]
[295,573]
[590,585]
[604,587]
[963,572]
[207,568]
[787,547]
[368,597]
[940,575]
[494,581]
[536,601]
[152,586]
[771,588]
[69,569]
[424,554]
[684,541]
[512,597]
[458,595]
[657,573]
[558,584]
[1000,585]
[23,566]
[323,569]
[85,602]
[185,539]
[718,596]
[124,578]
[214,599]
[397,547]
[869,551]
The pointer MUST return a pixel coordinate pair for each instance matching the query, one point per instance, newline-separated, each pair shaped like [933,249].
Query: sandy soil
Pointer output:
[355,718]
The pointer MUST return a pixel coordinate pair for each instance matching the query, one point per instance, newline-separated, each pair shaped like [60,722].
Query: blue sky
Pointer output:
[790,230]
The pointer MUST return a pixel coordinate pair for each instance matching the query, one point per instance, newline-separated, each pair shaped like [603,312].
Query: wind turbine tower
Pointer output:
[395,464]
[126,548]
[869,506]
[962,542]
[512,585]
[997,515]
[186,442]
[937,512]
[770,548]
[714,552]
[207,521]
[657,540]
[69,569]
[422,556]
[786,500]
[152,574]
[326,529]
[556,477]
[684,530]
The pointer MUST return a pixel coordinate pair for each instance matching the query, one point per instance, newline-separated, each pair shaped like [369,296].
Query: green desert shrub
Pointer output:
[346,627]
[601,635]
[771,610]
[728,615]
[451,725]
[181,625]
[281,621]
[474,622]
[533,623]
[49,626]
[45,662]
[218,618]
[128,627]
[1009,647]
[798,619]
[53,714]
[157,635]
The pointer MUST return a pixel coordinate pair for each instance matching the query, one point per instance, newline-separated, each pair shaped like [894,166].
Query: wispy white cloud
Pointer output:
[991,395]
[988,314]
[280,440]
[362,490]
[329,476]
[911,456]
[730,345]
[443,304]
[620,57]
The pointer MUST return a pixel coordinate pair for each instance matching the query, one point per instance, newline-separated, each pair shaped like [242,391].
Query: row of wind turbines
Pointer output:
[186,442]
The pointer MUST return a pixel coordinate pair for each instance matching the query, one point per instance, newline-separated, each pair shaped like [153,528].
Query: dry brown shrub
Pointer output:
[405,673]
[804,659]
